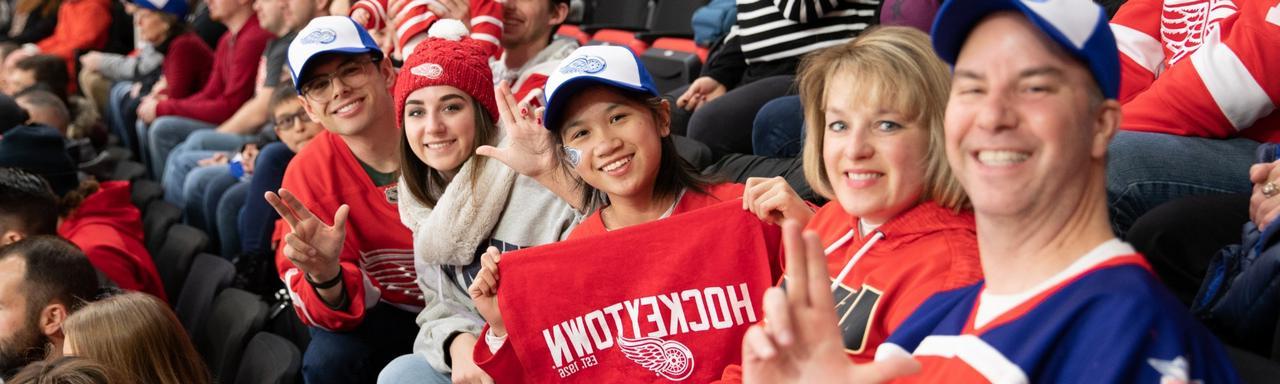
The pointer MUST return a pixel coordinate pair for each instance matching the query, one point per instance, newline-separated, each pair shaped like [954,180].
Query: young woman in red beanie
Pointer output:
[456,203]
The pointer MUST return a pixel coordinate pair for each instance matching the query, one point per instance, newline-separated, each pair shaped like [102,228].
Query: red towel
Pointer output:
[663,301]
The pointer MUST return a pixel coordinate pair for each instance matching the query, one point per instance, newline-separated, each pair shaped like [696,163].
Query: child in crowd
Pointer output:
[457,203]
[138,336]
[897,229]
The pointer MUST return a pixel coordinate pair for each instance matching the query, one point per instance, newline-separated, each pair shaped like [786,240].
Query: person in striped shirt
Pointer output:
[410,19]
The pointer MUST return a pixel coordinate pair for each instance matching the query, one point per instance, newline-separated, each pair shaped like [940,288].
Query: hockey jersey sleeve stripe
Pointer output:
[1140,47]
[289,277]
[1238,95]
[486,37]
[475,21]
[984,358]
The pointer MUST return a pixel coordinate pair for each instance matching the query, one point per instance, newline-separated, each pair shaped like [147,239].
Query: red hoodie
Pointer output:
[109,229]
[922,251]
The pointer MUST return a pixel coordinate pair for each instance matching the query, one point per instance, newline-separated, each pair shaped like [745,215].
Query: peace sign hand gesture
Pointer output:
[313,246]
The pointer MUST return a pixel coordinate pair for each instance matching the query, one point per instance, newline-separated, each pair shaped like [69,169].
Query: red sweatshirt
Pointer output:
[925,250]
[235,65]
[82,25]
[377,255]
[187,64]
[108,228]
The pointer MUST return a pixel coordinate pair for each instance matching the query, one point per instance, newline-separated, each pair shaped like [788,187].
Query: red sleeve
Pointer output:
[486,25]
[224,93]
[416,21]
[504,366]
[82,24]
[311,309]
[1222,88]
[732,375]
[186,67]
[1137,30]
[377,13]
[531,82]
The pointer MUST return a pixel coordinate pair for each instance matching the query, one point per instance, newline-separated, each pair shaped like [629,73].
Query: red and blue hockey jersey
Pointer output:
[1105,319]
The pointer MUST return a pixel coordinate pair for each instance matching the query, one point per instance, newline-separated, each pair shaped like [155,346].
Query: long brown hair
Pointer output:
[427,184]
[137,335]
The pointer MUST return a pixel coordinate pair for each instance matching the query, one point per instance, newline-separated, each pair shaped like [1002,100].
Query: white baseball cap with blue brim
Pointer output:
[613,66]
[328,34]
[174,7]
[1079,26]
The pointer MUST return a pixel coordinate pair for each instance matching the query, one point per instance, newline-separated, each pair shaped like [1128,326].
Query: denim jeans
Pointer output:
[175,178]
[1145,170]
[164,134]
[412,369]
[358,355]
[204,188]
[205,143]
[779,128]
[724,124]
[227,216]
[118,116]
[257,218]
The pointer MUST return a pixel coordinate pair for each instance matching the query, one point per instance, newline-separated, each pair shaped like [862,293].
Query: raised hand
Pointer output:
[312,246]
[452,9]
[799,341]
[484,291]
[773,201]
[531,150]
[701,91]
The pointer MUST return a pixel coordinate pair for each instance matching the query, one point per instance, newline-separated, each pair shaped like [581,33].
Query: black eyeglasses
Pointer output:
[352,73]
[287,123]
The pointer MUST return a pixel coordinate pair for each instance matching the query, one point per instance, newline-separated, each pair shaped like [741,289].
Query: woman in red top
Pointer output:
[898,228]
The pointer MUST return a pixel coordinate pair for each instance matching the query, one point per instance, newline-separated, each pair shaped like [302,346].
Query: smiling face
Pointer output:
[340,107]
[874,156]
[527,21]
[1024,132]
[440,124]
[619,140]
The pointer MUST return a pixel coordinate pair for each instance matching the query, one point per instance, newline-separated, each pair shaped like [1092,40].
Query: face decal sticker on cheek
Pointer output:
[573,155]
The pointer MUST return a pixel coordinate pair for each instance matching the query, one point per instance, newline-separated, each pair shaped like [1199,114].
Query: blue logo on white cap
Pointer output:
[320,36]
[585,64]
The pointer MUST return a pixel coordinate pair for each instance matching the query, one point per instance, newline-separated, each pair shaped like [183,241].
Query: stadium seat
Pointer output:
[209,275]
[1253,368]
[672,62]
[671,18]
[572,32]
[236,316]
[159,216]
[128,170]
[269,359]
[631,15]
[285,323]
[143,192]
[173,261]
[619,37]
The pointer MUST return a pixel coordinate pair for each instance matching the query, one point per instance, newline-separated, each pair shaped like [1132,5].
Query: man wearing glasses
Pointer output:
[354,285]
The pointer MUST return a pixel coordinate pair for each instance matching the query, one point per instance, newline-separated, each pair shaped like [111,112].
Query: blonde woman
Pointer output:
[137,336]
[897,228]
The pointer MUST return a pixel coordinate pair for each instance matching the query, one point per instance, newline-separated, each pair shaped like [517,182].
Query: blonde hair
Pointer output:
[138,336]
[892,67]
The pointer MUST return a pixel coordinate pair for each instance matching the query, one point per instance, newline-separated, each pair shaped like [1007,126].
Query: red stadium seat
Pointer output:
[619,37]
[573,32]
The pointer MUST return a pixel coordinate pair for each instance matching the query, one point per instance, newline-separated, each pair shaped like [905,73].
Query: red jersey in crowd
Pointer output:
[377,256]
[689,201]
[235,66]
[413,19]
[1201,68]
[922,251]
